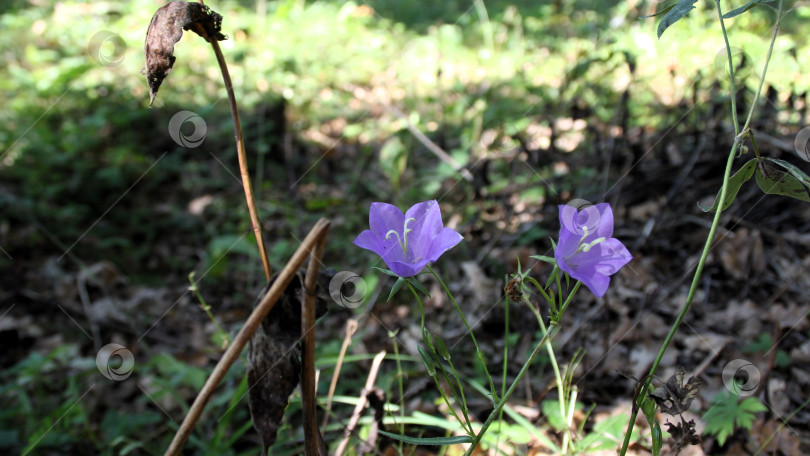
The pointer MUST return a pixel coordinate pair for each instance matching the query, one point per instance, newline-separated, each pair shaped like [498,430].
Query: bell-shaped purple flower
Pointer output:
[407,242]
[586,250]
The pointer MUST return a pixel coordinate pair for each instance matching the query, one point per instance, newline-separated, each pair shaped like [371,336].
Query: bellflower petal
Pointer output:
[586,249]
[446,240]
[407,242]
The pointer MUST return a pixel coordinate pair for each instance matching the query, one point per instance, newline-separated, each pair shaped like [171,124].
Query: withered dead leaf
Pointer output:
[274,351]
[675,397]
[166,29]
[683,434]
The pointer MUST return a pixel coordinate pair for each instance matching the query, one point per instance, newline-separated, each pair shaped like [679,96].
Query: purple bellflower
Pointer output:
[586,250]
[407,242]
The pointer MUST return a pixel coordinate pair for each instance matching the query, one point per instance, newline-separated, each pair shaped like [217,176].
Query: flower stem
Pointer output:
[240,151]
[560,387]
[547,337]
[553,329]
[469,330]
[715,222]
[730,70]
[466,423]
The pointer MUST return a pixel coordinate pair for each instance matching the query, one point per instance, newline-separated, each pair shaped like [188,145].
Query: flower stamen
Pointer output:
[583,246]
[402,241]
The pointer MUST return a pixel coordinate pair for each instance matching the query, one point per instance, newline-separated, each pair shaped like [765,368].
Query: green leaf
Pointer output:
[648,407]
[793,170]
[397,285]
[657,439]
[663,10]
[734,184]
[432,441]
[429,364]
[729,413]
[606,435]
[441,347]
[776,182]
[544,258]
[678,12]
[393,160]
[386,271]
[419,287]
[552,412]
[737,11]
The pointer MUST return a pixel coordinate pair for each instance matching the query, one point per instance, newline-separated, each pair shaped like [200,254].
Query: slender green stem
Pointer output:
[464,423]
[401,387]
[470,331]
[560,388]
[569,298]
[689,297]
[505,359]
[547,337]
[730,70]
[712,230]
[193,288]
[502,402]
[765,68]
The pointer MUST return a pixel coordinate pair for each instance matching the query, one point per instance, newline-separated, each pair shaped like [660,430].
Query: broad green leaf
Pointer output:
[678,12]
[793,170]
[775,182]
[397,285]
[432,441]
[729,413]
[734,184]
[606,435]
[431,367]
[737,11]
[552,412]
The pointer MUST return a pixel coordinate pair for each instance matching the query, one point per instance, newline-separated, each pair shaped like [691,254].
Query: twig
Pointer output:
[351,328]
[431,146]
[361,402]
[313,442]
[278,287]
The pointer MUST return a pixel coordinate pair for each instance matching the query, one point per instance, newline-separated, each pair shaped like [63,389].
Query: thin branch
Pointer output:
[361,403]
[351,328]
[431,146]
